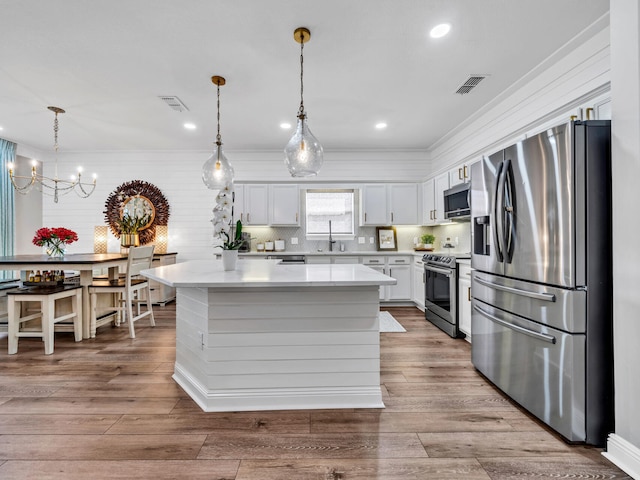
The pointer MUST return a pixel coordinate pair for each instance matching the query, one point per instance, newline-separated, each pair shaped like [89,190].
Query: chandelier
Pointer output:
[303,153]
[217,172]
[53,186]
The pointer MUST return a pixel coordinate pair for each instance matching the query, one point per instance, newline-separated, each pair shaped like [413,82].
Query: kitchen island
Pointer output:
[271,336]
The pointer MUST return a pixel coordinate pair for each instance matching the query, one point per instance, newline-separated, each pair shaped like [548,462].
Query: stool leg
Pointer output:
[93,305]
[128,299]
[149,307]
[48,314]
[77,321]
[13,310]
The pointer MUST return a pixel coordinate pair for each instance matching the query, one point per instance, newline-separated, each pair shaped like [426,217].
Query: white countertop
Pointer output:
[265,273]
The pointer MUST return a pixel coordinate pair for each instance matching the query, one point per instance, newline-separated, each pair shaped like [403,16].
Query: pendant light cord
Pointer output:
[301,110]
[55,145]
[218,137]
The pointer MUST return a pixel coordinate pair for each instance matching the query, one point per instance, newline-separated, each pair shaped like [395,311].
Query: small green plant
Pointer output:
[427,238]
[237,241]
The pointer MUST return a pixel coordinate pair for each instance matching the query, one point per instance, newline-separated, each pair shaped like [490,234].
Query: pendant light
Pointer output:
[303,153]
[217,172]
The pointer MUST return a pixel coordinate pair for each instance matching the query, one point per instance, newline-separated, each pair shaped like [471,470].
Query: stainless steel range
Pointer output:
[441,293]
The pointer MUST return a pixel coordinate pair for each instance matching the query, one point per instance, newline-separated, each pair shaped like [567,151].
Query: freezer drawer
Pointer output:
[541,368]
[555,307]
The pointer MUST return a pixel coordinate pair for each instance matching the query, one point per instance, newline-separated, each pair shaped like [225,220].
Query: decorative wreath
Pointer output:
[116,200]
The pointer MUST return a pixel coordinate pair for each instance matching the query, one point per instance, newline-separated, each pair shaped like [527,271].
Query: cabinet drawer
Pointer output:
[374,260]
[399,261]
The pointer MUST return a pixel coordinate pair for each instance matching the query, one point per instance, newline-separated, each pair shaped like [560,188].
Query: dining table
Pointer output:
[84,263]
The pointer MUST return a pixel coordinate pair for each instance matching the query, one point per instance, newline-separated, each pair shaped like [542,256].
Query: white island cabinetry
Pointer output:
[271,336]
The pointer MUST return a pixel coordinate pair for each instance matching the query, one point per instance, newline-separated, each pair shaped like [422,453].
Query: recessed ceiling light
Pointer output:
[381,125]
[285,126]
[1,128]
[440,30]
[190,126]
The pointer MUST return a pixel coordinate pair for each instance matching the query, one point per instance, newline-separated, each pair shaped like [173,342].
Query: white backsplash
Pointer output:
[459,234]
[405,234]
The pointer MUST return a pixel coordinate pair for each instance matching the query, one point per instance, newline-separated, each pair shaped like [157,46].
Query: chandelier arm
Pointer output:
[26,187]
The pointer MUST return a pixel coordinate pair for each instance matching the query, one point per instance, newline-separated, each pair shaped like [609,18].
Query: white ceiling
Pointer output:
[368,61]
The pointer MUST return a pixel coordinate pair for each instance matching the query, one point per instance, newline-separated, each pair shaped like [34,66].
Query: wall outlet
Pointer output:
[294,240]
[361,240]
[371,240]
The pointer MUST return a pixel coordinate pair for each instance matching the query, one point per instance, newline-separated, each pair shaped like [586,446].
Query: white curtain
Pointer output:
[7,204]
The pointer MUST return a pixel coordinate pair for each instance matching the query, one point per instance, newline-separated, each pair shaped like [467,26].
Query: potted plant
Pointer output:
[129,227]
[230,246]
[427,240]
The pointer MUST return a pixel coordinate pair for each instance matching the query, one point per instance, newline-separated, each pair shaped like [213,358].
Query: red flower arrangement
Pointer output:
[54,239]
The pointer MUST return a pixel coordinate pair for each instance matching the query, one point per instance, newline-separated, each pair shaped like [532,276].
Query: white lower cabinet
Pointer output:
[464,299]
[398,267]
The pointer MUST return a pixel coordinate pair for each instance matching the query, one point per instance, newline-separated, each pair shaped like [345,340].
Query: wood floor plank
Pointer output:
[357,445]
[29,424]
[89,405]
[383,421]
[123,390]
[491,444]
[119,470]
[566,466]
[450,404]
[263,422]
[107,447]
[362,469]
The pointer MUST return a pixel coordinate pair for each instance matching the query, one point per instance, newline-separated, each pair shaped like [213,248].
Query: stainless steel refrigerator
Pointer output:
[542,284]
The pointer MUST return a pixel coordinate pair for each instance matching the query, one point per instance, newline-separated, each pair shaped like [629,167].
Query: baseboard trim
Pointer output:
[315,398]
[623,454]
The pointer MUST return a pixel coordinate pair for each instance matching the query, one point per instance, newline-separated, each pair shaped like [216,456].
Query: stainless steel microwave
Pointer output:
[456,202]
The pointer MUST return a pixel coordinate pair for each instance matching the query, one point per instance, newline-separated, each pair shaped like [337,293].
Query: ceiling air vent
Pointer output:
[174,102]
[470,84]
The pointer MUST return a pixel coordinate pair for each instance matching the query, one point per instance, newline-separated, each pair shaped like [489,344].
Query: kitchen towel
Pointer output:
[388,323]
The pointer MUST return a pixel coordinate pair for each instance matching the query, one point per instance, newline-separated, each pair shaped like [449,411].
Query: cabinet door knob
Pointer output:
[469,293]
[465,171]
[460,174]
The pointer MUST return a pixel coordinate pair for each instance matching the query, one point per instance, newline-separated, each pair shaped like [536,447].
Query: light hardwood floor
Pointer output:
[108,408]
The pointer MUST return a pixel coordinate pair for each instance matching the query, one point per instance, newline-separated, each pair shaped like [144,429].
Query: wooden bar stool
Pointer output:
[47,297]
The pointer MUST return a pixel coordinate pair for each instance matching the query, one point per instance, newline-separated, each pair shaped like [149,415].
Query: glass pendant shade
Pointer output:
[303,153]
[217,172]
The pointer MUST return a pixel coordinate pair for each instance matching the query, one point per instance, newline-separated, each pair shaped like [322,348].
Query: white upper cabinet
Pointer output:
[250,204]
[433,199]
[284,205]
[394,204]
[374,205]
[403,204]
[459,175]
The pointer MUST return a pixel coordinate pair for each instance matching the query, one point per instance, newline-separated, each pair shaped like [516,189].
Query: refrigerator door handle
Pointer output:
[540,336]
[509,210]
[498,212]
[547,297]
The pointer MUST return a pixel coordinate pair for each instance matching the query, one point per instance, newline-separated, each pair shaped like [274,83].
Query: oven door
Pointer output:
[440,292]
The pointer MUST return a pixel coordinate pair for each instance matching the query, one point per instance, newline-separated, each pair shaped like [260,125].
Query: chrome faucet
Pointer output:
[331,240]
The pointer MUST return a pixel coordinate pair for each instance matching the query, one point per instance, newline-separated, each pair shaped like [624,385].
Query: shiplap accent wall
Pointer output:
[178,176]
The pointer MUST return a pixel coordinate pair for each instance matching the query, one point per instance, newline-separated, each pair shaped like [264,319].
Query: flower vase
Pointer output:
[229,260]
[130,240]
[55,250]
